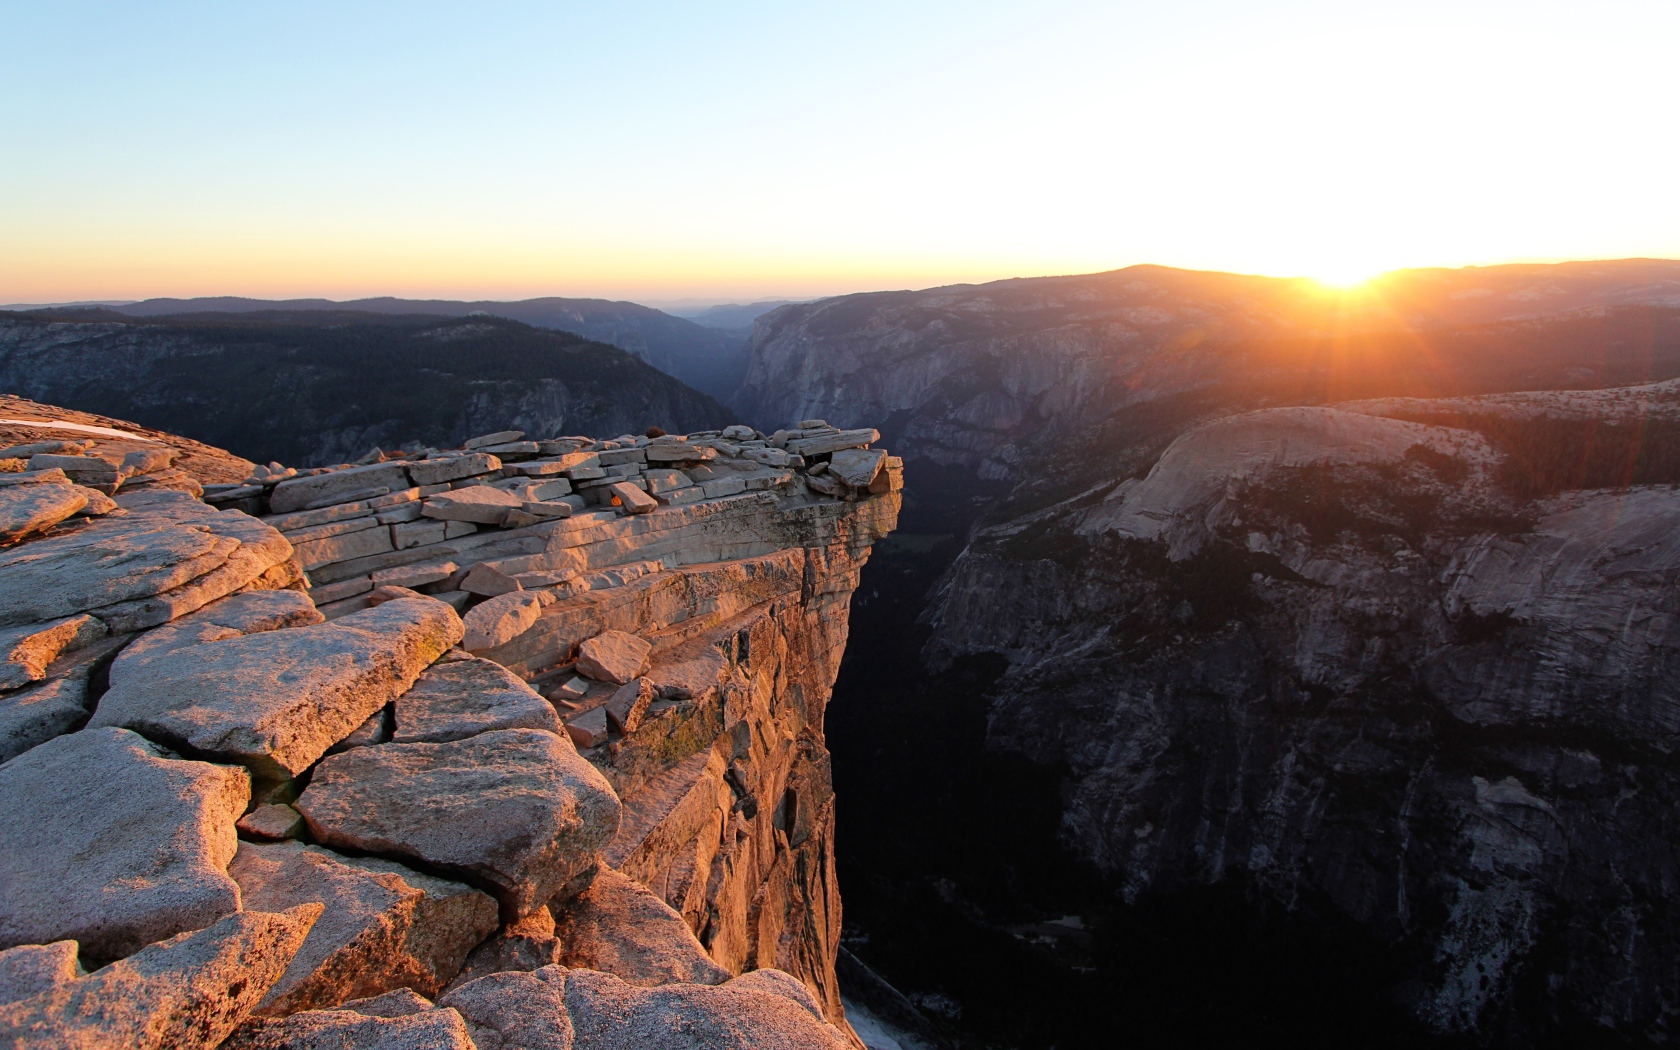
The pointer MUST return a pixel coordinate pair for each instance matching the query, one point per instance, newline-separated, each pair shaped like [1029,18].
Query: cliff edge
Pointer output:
[518,744]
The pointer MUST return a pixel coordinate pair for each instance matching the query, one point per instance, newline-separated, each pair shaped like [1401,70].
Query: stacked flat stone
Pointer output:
[299,818]
[424,520]
[101,466]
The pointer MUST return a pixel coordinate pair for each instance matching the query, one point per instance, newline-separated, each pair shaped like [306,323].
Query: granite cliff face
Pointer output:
[1375,654]
[516,744]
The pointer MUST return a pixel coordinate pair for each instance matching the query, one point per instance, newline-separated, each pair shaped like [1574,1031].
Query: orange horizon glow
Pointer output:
[739,153]
[364,275]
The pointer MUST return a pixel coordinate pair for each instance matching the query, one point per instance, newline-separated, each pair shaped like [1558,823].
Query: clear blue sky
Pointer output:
[725,151]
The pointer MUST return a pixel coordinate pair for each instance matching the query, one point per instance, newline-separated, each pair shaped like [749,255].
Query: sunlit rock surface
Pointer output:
[234,680]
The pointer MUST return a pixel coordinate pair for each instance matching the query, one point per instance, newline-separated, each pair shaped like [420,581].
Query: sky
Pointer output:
[701,152]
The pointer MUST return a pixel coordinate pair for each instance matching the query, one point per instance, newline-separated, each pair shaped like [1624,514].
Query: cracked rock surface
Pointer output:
[113,842]
[517,811]
[277,700]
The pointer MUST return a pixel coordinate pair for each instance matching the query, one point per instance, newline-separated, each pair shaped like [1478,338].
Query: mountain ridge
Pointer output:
[321,387]
[705,358]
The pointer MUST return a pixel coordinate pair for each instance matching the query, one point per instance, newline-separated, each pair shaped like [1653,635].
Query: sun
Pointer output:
[1343,276]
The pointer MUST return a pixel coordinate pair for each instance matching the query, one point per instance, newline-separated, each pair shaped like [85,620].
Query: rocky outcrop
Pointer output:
[244,747]
[558,1009]
[170,555]
[461,698]
[618,926]
[385,926]
[277,700]
[365,1026]
[515,809]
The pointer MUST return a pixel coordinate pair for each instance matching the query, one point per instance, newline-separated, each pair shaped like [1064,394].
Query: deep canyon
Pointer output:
[1252,661]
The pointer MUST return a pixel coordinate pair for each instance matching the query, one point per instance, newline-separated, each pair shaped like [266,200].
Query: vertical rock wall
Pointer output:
[729,803]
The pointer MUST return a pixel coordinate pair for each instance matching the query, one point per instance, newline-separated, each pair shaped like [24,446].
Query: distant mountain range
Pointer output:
[974,374]
[709,357]
[312,387]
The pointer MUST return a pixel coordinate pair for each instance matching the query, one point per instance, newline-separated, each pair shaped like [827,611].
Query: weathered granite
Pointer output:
[618,926]
[185,993]
[517,812]
[376,730]
[628,706]
[26,651]
[361,543]
[462,698]
[111,560]
[585,1010]
[385,926]
[516,1009]
[35,715]
[484,504]
[844,439]
[250,612]
[631,498]
[857,467]
[297,493]
[28,509]
[112,842]
[613,656]
[475,794]
[279,699]
[261,552]
[30,969]
[765,1008]
[502,618]
[271,822]
[452,468]
[168,555]
[527,944]
[348,1029]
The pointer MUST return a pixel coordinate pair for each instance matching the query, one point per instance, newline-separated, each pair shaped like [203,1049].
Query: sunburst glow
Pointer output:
[1345,276]
[638,150]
